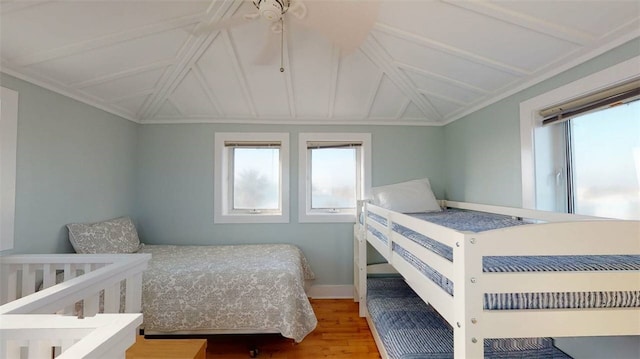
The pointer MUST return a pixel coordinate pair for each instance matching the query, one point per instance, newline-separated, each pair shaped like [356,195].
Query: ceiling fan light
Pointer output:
[271,10]
[270,14]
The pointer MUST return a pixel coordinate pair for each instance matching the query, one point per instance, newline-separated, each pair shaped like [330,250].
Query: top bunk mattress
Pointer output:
[473,221]
[457,219]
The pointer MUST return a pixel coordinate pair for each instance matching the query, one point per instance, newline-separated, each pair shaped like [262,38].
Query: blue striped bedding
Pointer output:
[463,220]
[411,329]
[377,233]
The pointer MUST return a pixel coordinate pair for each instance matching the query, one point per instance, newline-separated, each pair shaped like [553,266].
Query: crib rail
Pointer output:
[90,284]
[65,337]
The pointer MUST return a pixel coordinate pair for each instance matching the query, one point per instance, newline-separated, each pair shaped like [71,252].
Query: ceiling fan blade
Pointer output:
[270,49]
[345,23]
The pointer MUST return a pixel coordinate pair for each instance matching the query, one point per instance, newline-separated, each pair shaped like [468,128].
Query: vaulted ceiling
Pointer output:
[422,62]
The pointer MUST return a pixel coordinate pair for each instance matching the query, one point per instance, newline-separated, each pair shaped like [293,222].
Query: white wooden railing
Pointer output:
[61,320]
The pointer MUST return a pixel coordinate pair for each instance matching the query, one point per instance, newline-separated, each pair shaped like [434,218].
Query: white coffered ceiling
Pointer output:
[423,63]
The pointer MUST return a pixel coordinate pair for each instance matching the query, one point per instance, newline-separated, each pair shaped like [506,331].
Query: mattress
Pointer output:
[377,233]
[411,329]
[243,288]
[459,220]
[463,220]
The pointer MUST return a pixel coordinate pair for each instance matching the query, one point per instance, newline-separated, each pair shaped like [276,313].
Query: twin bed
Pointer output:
[234,289]
[227,289]
[473,274]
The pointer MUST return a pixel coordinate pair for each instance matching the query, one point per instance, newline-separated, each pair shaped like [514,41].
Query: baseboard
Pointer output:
[331,291]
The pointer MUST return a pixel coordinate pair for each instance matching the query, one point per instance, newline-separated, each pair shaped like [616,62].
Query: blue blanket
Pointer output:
[411,329]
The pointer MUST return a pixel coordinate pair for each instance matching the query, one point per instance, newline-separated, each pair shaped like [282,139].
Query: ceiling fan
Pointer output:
[345,23]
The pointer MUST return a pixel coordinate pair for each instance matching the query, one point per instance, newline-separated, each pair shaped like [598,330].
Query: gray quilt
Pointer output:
[227,288]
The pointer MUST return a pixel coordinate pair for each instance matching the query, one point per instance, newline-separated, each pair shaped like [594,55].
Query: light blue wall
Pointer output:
[74,163]
[175,189]
[482,157]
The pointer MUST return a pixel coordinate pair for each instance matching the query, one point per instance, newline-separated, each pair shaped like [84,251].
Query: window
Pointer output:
[334,172]
[587,159]
[603,162]
[8,142]
[251,178]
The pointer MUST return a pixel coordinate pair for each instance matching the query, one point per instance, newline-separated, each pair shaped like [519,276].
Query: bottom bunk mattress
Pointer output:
[218,289]
[411,329]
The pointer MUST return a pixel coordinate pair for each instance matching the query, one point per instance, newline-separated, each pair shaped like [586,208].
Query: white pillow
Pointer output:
[406,197]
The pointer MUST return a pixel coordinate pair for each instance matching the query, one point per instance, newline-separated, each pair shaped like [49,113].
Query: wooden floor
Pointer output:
[340,333]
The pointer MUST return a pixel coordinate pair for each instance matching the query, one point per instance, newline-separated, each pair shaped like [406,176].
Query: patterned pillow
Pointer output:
[117,235]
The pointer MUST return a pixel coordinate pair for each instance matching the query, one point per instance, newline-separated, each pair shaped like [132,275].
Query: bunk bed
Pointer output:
[486,270]
[224,289]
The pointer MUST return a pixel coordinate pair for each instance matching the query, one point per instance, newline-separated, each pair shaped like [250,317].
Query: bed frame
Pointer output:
[560,234]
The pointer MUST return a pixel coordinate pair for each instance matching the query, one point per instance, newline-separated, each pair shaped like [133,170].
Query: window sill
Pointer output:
[326,218]
[250,218]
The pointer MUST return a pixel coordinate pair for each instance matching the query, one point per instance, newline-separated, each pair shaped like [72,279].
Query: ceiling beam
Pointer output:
[242,77]
[60,88]
[131,95]
[167,83]
[197,73]
[451,50]
[106,40]
[194,47]
[335,70]
[122,109]
[525,21]
[171,102]
[447,79]
[169,107]
[379,56]
[122,74]
[403,109]
[569,61]
[373,94]
[441,97]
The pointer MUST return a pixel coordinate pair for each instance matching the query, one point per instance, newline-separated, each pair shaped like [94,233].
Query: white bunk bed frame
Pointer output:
[562,234]
[30,329]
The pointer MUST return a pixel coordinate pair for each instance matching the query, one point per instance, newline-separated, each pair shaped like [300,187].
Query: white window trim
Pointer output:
[8,152]
[222,213]
[530,119]
[304,214]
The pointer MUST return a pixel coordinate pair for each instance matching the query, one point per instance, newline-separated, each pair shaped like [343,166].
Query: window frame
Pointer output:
[305,213]
[223,179]
[531,120]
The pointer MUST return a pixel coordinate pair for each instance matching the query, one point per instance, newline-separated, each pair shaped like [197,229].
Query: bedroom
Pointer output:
[78,163]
